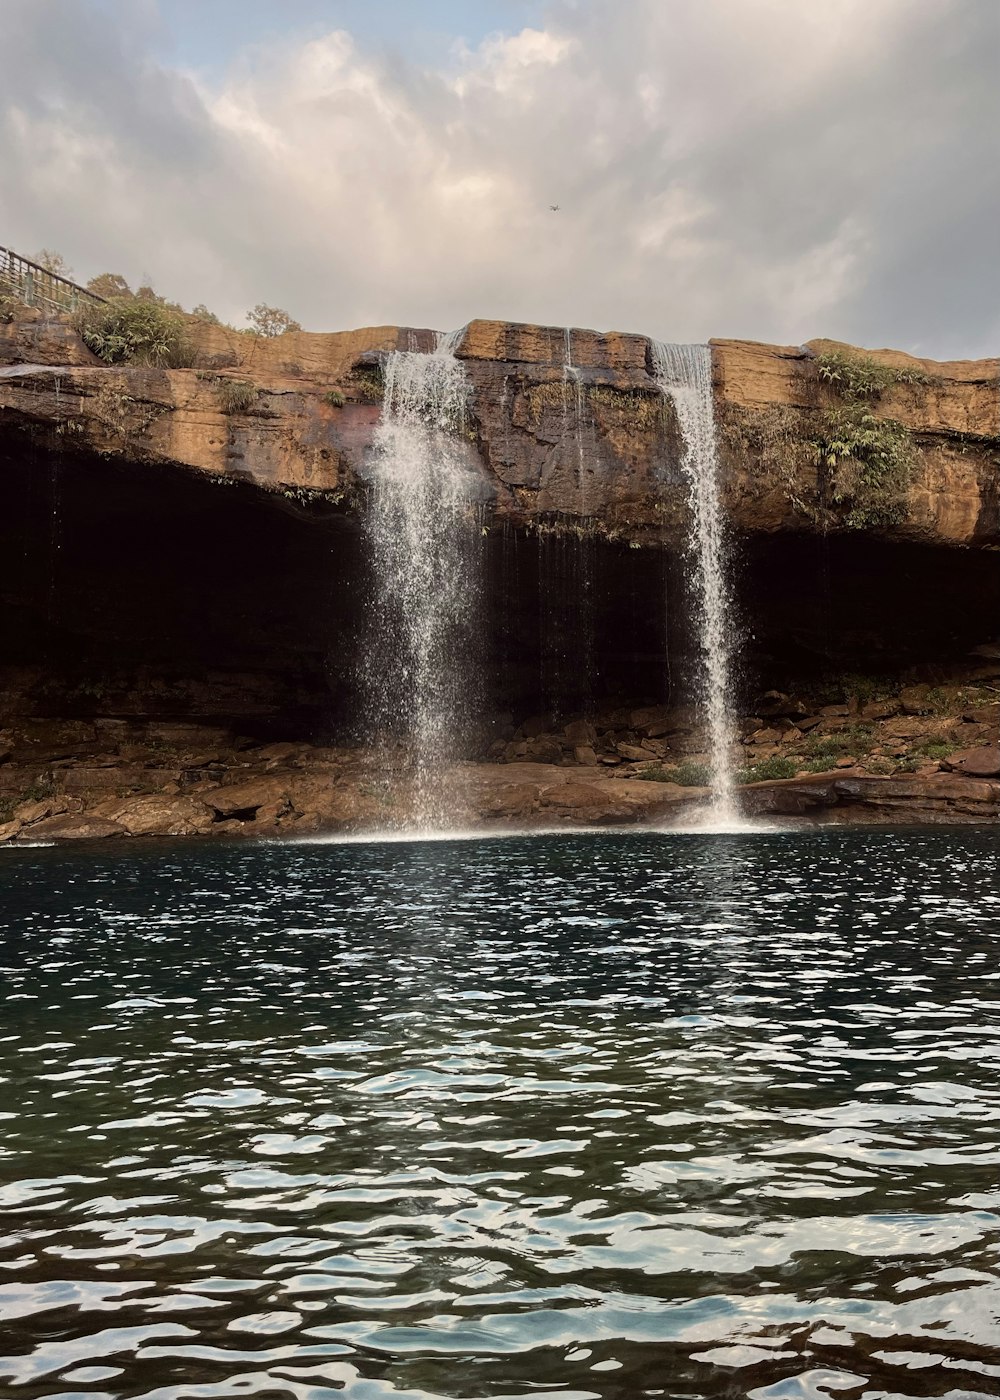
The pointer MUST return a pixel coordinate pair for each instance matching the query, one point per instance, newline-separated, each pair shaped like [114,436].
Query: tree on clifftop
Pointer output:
[52,262]
[108,285]
[271,320]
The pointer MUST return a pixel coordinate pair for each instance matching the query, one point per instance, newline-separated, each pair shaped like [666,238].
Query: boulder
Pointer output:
[247,797]
[157,815]
[545,749]
[913,700]
[981,762]
[82,778]
[573,795]
[189,734]
[511,800]
[775,702]
[272,755]
[644,799]
[73,826]
[880,709]
[983,714]
[930,798]
[36,810]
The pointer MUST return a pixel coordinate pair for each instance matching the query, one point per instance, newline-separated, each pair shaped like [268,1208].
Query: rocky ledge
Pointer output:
[930,755]
[296,414]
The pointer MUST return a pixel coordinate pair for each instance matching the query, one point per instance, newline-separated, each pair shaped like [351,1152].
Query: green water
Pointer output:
[608,1116]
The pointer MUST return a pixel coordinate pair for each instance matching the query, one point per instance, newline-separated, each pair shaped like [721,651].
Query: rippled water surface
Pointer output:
[574,1116]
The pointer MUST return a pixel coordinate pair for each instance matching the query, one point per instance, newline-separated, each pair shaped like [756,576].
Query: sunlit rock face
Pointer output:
[566,427]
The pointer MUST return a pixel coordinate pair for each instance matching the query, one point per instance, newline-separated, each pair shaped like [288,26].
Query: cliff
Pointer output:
[543,401]
[175,658]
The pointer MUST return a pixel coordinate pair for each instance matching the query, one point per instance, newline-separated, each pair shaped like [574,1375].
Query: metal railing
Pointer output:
[35,285]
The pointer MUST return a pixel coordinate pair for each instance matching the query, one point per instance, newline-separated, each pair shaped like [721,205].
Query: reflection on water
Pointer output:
[574,1117]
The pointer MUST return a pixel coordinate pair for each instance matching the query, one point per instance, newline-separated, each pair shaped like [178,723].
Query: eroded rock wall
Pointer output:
[567,428]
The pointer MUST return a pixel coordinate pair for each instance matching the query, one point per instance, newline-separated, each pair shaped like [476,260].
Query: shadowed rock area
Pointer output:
[171,563]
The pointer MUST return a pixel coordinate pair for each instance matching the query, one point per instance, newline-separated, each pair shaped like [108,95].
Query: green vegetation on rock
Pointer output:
[367,383]
[771,770]
[857,377]
[137,331]
[869,457]
[844,742]
[686,774]
[236,395]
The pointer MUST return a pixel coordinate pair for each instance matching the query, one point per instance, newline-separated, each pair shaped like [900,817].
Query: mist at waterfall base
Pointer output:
[687,1116]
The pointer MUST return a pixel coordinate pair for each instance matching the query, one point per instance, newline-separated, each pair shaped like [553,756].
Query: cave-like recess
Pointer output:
[154,592]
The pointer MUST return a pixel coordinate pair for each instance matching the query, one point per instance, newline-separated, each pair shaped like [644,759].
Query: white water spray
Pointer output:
[684,372]
[424,535]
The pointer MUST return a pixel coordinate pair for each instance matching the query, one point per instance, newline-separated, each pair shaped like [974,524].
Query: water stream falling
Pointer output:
[684,373]
[424,534]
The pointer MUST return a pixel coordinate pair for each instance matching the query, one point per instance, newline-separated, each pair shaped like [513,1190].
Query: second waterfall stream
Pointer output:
[425,543]
[684,373]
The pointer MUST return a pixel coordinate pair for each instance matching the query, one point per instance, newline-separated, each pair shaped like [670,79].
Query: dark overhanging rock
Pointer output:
[167,593]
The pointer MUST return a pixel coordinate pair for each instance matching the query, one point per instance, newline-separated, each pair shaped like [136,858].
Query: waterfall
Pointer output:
[424,533]
[684,373]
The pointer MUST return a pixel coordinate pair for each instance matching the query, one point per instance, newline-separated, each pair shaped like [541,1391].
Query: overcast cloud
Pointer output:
[775,169]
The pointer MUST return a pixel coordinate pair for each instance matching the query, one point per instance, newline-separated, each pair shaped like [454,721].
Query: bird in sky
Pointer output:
[554,208]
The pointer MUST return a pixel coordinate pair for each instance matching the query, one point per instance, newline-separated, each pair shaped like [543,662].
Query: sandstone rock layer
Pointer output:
[567,427]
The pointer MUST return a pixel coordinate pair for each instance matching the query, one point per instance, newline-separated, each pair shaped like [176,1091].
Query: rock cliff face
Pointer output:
[543,402]
[136,594]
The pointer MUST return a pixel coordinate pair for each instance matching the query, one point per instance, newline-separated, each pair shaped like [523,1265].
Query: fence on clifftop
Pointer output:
[35,285]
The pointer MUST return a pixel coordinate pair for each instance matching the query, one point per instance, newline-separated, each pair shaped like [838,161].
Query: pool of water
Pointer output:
[597,1116]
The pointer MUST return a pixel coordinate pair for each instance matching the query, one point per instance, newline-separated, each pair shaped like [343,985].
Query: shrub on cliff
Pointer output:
[127,330]
[768,770]
[686,774]
[236,395]
[869,459]
[856,377]
[10,307]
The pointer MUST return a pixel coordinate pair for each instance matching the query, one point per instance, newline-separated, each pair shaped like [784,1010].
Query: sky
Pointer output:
[770,169]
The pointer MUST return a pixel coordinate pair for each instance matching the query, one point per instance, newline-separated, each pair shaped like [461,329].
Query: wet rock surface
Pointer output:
[863,761]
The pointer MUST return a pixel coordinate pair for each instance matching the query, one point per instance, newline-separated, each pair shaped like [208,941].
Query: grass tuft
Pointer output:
[236,395]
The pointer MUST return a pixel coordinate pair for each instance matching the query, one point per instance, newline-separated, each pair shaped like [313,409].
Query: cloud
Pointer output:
[758,168]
